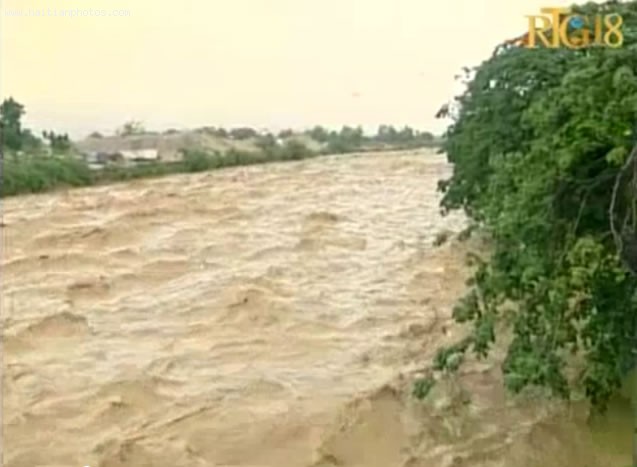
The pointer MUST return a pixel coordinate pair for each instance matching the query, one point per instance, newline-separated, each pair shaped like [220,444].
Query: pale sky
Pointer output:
[261,63]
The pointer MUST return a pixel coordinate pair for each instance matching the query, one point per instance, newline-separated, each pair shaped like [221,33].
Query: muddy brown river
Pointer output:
[269,316]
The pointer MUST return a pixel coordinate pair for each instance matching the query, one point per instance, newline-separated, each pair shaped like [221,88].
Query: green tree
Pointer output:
[406,134]
[283,134]
[320,134]
[538,141]
[58,142]
[131,128]
[267,142]
[29,142]
[11,113]
[295,150]
[243,133]
[386,134]
[221,132]
[352,136]
[425,136]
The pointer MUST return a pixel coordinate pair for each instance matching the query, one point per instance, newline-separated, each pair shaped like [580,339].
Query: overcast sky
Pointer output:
[263,63]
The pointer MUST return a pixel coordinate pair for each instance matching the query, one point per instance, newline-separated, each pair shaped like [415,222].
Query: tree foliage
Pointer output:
[11,113]
[537,142]
[389,134]
[243,133]
[131,128]
[58,142]
[320,134]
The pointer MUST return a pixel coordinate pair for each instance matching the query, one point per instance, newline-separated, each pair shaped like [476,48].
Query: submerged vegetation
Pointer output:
[539,140]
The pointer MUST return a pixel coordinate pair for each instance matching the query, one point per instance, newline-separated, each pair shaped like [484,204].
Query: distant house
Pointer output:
[97,159]
[140,155]
[90,157]
[102,157]
[141,148]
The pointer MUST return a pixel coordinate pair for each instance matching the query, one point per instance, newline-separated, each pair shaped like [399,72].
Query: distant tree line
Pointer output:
[347,139]
[353,138]
[17,138]
[49,161]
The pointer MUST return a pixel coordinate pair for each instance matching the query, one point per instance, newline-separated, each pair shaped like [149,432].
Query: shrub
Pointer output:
[537,142]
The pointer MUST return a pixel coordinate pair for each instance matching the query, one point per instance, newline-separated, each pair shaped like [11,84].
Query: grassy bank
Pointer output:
[37,173]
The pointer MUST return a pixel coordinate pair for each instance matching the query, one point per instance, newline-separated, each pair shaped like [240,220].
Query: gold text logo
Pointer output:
[558,27]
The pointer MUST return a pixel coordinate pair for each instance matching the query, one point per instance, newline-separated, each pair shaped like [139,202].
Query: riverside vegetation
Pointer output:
[32,164]
[544,144]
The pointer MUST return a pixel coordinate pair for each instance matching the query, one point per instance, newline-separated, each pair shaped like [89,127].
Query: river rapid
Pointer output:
[268,316]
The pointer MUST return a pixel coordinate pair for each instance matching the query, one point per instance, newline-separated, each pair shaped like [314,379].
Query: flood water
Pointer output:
[269,316]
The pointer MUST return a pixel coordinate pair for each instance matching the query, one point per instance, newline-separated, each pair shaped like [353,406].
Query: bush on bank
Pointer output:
[537,141]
